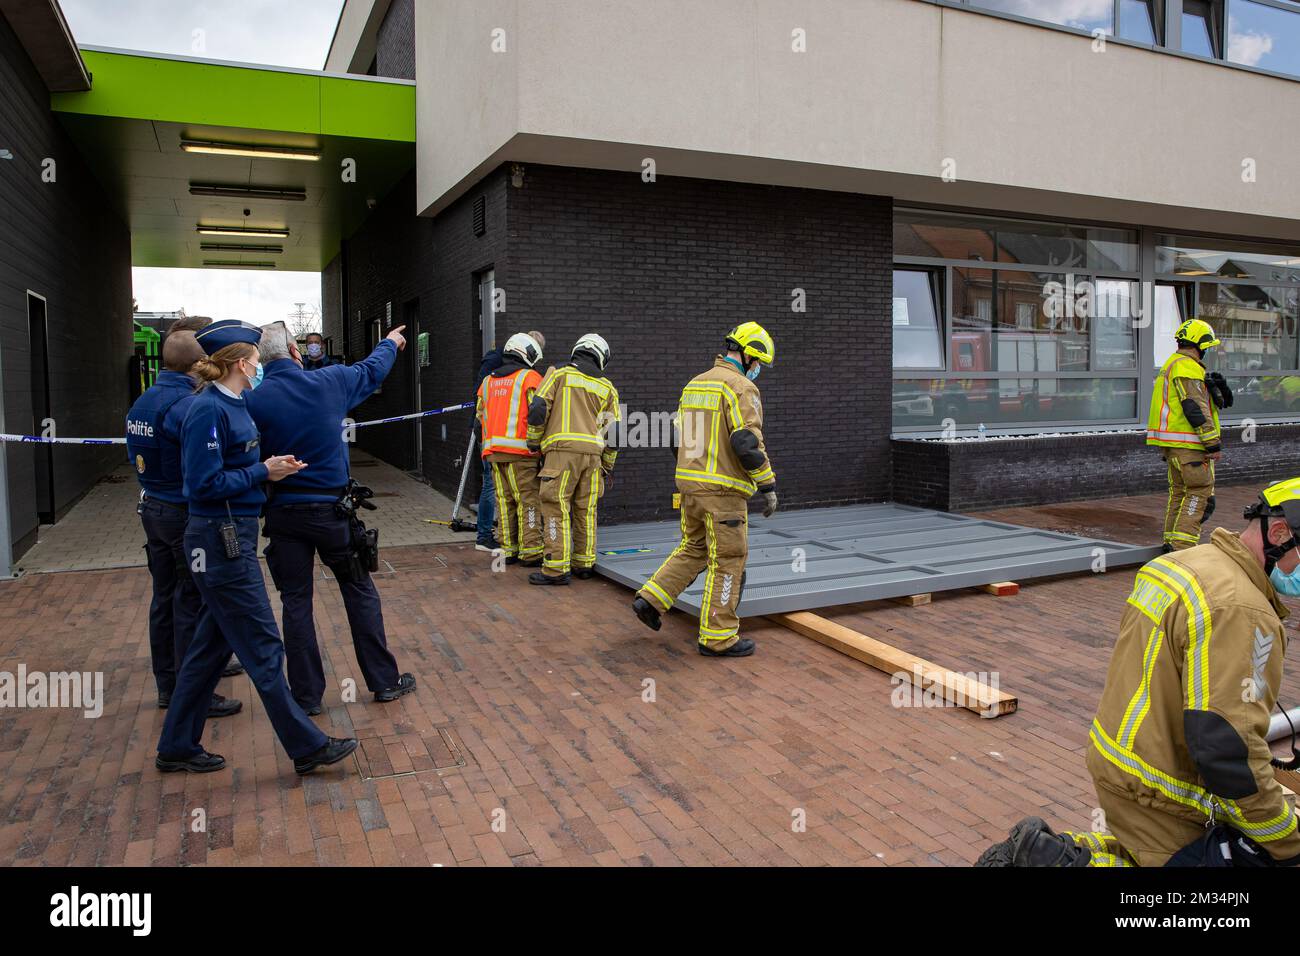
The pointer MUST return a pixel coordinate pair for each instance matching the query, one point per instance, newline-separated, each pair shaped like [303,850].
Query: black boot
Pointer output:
[1032,843]
[742,648]
[584,574]
[405,684]
[537,577]
[648,613]
[335,749]
[202,763]
[223,706]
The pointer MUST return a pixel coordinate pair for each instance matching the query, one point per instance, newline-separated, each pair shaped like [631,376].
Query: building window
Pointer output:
[1138,20]
[1201,28]
[918,335]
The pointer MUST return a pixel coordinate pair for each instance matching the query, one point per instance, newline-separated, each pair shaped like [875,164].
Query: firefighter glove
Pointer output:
[769,504]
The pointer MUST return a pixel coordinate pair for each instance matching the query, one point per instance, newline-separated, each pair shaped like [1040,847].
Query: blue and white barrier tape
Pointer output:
[42,440]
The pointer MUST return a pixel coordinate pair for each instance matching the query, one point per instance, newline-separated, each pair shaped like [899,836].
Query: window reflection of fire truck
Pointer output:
[998,398]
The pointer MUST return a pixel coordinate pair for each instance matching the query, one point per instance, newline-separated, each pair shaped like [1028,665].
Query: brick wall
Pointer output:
[664,269]
[395,44]
[973,475]
[425,268]
[661,270]
[63,241]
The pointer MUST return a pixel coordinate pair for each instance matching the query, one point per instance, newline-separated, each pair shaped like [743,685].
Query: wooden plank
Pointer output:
[949,686]
[1002,588]
[912,600]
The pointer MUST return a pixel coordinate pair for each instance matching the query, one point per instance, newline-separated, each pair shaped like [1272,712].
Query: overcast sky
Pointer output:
[294,33]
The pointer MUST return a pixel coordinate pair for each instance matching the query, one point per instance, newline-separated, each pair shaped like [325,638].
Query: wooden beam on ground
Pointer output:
[1289,779]
[1002,588]
[912,600]
[948,686]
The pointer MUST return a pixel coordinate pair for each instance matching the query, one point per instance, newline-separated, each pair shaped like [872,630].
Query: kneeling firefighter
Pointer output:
[1179,755]
[1184,423]
[721,462]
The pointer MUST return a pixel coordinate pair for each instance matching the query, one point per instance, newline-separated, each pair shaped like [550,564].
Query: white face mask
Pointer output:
[313,350]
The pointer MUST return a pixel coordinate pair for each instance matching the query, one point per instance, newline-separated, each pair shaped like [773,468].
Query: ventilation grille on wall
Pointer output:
[480,215]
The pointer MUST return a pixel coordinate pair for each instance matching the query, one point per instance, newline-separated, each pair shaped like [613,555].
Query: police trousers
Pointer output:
[236,615]
[715,540]
[175,606]
[299,532]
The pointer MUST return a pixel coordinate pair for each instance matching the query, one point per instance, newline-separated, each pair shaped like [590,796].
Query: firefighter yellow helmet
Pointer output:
[750,338]
[1279,500]
[1196,332]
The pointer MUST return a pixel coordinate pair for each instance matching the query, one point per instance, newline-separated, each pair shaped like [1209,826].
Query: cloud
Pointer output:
[1246,46]
[257,297]
[294,33]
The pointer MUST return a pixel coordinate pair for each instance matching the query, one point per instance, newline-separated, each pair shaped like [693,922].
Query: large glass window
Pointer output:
[1137,21]
[1087,15]
[1019,321]
[1255,324]
[1264,36]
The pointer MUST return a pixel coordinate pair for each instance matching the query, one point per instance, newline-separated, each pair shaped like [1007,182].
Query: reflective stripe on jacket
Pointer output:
[1167,426]
[713,406]
[1192,682]
[503,411]
[578,407]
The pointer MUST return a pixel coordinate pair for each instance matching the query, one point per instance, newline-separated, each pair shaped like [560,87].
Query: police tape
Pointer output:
[43,440]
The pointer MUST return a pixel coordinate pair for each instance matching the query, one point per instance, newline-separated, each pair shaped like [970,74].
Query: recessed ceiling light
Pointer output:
[225,264]
[239,247]
[249,192]
[252,152]
[245,232]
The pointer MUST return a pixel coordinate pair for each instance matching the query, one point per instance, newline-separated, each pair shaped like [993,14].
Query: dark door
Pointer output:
[38,338]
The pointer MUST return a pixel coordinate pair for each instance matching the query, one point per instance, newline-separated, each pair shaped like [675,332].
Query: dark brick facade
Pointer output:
[395,44]
[64,243]
[662,270]
[995,473]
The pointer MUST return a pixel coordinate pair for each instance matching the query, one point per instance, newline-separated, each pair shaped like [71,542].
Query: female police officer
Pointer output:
[223,484]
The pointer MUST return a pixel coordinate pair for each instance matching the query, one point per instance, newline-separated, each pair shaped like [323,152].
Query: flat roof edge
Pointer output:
[236,64]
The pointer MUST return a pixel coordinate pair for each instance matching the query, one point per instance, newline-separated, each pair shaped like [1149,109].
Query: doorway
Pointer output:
[42,410]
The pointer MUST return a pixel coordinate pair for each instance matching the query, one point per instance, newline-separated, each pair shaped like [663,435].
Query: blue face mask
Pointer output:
[1286,583]
[314,350]
[256,380]
[753,371]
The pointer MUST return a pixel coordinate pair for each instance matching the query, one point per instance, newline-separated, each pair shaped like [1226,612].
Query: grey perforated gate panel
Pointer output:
[802,560]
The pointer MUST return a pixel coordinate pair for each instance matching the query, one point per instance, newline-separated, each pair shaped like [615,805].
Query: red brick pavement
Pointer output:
[541,693]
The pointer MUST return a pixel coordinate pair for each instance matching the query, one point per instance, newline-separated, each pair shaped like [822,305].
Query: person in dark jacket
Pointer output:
[298,413]
[222,482]
[316,357]
[487,497]
[153,444]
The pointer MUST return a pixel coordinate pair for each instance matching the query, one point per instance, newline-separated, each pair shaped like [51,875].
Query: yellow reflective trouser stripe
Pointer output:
[588,556]
[523,515]
[562,499]
[1198,630]
[503,509]
[659,592]
[1141,702]
[652,586]
[706,602]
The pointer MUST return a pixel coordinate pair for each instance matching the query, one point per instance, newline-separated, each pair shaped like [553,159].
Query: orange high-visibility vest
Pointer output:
[505,411]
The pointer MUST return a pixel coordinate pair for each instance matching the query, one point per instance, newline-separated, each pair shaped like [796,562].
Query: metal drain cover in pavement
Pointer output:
[396,755]
[802,560]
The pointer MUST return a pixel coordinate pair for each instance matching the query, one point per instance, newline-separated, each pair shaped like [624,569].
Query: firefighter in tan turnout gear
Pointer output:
[1177,750]
[572,409]
[1184,424]
[504,398]
[721,462]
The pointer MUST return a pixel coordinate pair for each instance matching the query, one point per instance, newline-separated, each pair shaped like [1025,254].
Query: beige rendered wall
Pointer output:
[1035,120]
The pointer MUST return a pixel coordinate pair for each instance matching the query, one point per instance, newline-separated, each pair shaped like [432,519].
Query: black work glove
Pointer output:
[1220,392]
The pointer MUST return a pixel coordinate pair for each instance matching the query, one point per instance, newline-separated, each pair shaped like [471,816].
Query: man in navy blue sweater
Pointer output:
[300,413]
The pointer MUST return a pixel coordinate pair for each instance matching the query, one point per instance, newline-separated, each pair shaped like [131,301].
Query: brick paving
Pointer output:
[538,706]
[103,531]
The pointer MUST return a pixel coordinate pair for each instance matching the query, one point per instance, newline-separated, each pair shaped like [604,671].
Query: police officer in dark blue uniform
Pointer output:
[300,413]
[223,477]
[153,444]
